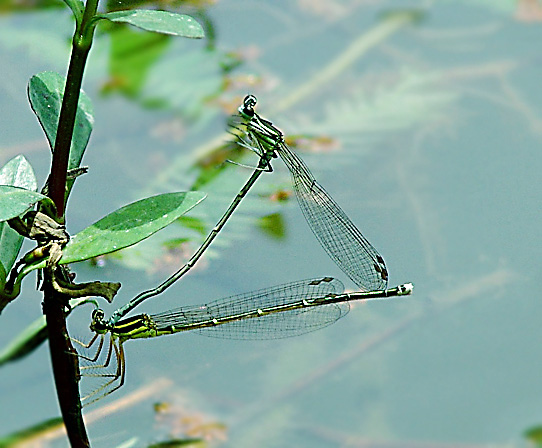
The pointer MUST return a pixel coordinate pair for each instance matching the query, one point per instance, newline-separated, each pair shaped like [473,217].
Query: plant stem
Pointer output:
[63,355]
[65,366]
[82,41]
[61,152]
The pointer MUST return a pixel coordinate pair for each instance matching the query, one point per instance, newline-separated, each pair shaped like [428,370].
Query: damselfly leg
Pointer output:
[112,368]
[88,346]
[115,380]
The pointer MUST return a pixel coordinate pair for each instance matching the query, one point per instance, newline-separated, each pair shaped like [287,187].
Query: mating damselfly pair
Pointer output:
[280,311]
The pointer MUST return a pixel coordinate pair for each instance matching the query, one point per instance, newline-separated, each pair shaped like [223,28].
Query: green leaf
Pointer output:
[273,225]
[15,201]
[46,92]
[157,21]
[32,433]
[19,173]
[26,342]
[133,55]
[534,435]
[126,226]
[77,8]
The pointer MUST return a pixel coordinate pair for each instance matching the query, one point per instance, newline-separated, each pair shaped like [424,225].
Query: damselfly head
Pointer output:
[98,325]
[247,109]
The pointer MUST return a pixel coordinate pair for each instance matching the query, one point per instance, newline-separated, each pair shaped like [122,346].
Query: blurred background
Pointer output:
[423,119]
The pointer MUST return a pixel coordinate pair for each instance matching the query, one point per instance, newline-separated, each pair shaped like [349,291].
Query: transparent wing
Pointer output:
[337,234]
[273,326]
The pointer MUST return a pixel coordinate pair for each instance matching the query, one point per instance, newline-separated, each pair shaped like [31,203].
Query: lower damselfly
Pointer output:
[281,311]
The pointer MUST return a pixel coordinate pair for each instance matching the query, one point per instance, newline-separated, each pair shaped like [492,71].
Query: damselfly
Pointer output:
[337,234]
[281,311]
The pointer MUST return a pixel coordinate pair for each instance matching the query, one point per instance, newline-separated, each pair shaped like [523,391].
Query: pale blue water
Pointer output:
[436,158]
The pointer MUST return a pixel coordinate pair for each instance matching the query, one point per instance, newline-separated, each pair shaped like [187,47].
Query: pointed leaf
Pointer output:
[46,92]
[19,173]
[129,225]
[126,226]
[15,201]
[158,21]
[25,342]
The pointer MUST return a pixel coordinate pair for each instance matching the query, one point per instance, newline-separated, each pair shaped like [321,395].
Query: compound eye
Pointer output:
[250,101]
[248,105]
[98,315]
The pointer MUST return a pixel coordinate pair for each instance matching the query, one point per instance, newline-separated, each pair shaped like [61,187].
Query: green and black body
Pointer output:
[276,312]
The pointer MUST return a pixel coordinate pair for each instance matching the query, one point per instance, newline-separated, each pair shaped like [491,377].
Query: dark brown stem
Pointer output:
[65,365]
[63,355]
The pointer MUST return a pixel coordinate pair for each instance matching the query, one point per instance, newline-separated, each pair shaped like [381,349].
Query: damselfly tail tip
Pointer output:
[406,289]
